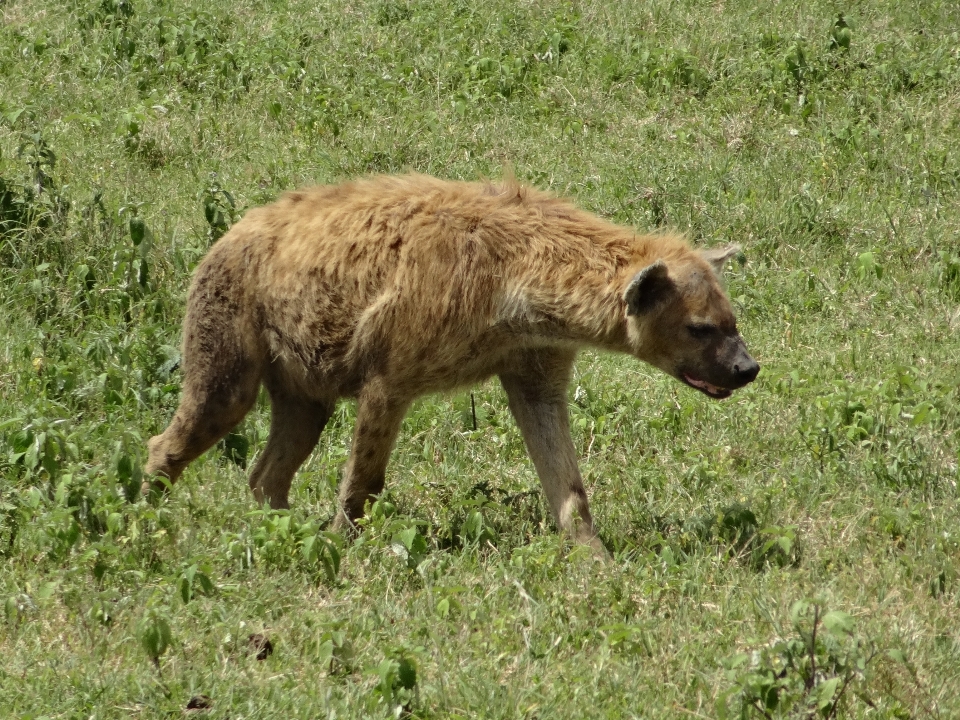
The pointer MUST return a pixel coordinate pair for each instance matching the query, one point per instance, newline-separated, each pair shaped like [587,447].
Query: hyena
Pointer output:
[387,288]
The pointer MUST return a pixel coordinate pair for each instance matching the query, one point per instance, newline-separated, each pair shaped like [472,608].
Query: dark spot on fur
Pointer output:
[395,245]
[319,351]
[295,197]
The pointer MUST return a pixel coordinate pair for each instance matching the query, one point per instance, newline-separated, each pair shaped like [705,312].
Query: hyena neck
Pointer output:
[581,302]
[586,311]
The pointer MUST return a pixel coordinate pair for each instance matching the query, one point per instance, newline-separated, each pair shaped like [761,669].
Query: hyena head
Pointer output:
[681,321]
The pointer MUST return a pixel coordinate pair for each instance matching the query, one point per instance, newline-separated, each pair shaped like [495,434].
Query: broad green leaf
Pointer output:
[838,622]
[826,691]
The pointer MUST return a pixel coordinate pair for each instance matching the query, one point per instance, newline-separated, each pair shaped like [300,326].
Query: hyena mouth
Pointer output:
[706,388]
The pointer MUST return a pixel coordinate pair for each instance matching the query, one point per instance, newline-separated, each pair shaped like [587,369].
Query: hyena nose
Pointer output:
[747,370]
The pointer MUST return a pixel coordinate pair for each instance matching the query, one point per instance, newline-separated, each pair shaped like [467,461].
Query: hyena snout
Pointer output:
[745,370]
[736,366]
[720,372]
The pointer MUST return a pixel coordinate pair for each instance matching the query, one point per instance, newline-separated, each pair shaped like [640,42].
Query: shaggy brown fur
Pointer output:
[388,288]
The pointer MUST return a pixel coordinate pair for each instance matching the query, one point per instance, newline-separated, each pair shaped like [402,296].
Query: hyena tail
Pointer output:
[223,362]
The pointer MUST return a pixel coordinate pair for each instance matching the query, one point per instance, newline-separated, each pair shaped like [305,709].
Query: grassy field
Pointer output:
[792,552]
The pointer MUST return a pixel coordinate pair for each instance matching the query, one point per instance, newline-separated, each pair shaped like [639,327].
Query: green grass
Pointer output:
[823,496]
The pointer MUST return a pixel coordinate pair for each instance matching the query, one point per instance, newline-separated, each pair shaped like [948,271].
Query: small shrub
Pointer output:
[816,672]
[154,633]
[280,541]
[397,682]
[219,209]
[948,274]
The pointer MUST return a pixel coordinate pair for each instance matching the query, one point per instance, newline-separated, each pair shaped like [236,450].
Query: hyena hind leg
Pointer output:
[221,378]
[379,417]
[295,427]
[203,418]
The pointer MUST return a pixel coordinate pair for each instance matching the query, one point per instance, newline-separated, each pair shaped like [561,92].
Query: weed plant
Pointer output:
[792,552]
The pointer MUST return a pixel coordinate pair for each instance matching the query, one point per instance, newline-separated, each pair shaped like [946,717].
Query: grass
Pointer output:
[792,552]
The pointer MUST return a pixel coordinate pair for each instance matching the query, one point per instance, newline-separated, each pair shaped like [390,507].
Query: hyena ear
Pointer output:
[717,257]
[648,288]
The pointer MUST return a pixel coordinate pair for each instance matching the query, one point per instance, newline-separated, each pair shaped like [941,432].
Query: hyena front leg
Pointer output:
[536,386]
[378,423]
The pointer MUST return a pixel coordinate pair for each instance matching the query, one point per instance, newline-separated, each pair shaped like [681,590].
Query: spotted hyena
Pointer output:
[388,288]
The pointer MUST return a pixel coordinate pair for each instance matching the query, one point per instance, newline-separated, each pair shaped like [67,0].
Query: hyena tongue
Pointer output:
[705,386]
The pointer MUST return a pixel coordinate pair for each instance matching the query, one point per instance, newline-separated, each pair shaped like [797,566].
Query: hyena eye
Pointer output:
[701,331]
